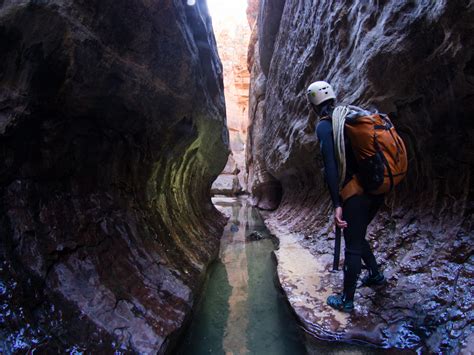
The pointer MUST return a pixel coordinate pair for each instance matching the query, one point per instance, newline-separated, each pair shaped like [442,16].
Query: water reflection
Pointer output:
[233,256]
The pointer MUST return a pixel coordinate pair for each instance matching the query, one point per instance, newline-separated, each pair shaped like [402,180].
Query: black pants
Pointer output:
[358,212]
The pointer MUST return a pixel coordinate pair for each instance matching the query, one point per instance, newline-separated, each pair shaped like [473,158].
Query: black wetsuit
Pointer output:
[358,210]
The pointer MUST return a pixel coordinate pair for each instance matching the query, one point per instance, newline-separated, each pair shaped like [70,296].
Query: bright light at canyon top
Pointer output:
[224,9]
[220,9]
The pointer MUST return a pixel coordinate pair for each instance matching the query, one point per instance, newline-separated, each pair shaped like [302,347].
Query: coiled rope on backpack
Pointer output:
[338,120]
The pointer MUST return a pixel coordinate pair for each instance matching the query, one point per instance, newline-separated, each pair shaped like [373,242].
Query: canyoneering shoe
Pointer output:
[374,280]
[338,302]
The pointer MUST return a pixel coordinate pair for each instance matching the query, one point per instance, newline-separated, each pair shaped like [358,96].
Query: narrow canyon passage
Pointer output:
[122,121]
[233,30]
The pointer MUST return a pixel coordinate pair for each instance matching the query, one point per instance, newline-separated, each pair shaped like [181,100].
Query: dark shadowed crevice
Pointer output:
[268,194]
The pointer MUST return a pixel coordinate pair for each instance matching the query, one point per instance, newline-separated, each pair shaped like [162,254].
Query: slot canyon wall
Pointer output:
[414,60]
[112,129]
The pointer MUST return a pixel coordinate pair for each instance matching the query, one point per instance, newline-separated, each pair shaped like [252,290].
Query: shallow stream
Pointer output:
[241,310]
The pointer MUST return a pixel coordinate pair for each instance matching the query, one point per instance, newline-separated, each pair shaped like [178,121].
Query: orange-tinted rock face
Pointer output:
[233,35]
[252,12]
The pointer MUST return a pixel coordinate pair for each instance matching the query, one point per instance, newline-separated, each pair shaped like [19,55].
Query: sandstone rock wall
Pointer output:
[411,59]
[111,131]
[264,188]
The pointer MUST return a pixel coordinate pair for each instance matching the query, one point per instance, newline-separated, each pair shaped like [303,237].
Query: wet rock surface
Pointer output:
[409,59]
[415,310]
[111,132]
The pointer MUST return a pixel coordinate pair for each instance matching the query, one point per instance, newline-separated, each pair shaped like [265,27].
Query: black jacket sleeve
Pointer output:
[326,141]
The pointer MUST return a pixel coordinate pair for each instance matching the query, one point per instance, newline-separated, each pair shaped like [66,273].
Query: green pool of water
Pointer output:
[241,310]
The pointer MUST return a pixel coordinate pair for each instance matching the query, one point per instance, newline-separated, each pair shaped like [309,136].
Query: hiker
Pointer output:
[354,207]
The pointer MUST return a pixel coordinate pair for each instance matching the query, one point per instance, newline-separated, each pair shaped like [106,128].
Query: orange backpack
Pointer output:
[379,151]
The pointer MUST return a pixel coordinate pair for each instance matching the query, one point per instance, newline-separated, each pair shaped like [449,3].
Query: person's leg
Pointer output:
[369,258]
[375,277]
[356,214]
[376,201]
[367,255]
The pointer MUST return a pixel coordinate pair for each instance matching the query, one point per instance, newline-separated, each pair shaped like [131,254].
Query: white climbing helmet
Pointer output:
[320,91]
